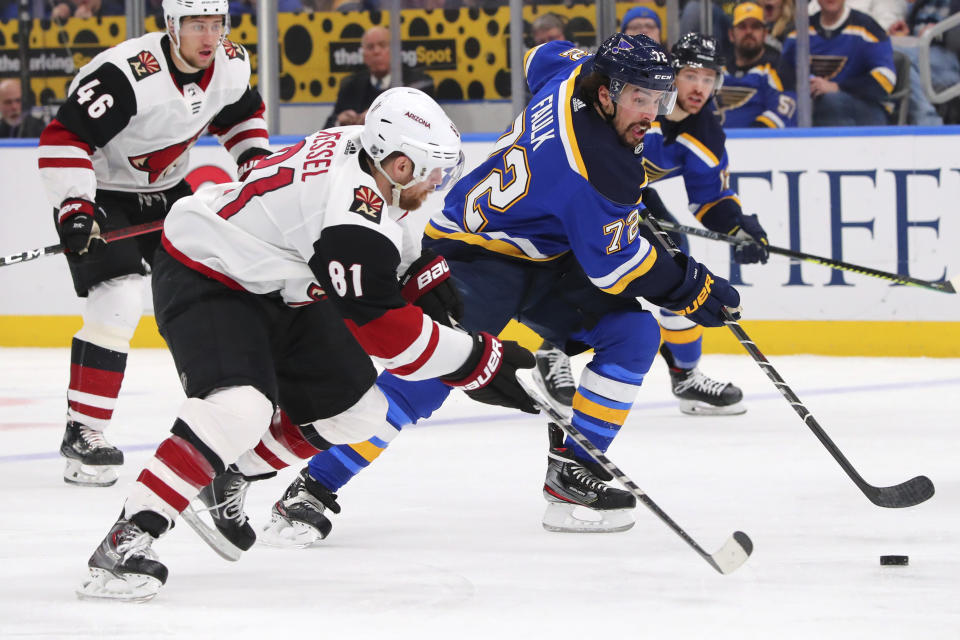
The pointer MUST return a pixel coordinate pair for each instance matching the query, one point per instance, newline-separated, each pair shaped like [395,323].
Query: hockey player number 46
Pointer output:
[99,107]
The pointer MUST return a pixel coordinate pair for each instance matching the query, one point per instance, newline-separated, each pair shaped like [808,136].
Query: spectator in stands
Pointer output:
[851,62]
[65,9]
[752,94]
[358,90]
[547,28]
[13,122]
[642,20]
[921,16]
[778,16]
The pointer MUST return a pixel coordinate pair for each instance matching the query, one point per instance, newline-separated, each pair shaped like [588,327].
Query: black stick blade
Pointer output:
[907,494]
[732,554]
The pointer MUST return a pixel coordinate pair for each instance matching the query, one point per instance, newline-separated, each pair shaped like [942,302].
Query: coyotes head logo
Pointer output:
[367,203]
[158,163]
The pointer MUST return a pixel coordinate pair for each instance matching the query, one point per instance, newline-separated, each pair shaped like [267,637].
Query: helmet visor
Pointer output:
[641,100]
[445,177]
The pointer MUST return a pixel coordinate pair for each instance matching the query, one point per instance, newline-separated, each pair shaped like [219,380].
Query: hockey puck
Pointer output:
[894,560]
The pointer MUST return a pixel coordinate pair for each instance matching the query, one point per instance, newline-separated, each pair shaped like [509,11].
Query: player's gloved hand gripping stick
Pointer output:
[945,286]
[54,249]
[906,494]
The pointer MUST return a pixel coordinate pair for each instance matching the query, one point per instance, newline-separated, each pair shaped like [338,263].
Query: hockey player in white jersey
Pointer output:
[257,289]
[116,155]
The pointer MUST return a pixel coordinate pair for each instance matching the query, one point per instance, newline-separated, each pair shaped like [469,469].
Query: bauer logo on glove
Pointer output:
[701,297]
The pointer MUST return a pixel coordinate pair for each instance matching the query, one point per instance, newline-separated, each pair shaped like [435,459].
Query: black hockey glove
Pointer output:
[248,160]
[78,223]
[701,296]
[490,373]
[426,283]
[753,241]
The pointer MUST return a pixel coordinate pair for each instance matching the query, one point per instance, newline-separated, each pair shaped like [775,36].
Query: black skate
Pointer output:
[579,500]
[701,395]
[552,374]
[124,566]
[91,460]
[297,519]
[223,500]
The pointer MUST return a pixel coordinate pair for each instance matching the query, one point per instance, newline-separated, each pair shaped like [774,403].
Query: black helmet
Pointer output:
[700,52]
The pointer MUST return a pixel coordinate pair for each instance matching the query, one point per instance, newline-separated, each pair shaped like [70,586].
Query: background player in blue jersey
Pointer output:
[548,231]
[690,142]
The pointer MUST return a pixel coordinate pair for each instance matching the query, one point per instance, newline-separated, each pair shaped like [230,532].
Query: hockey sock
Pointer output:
[284,444]
[601,404]
[96,374]
[174,476]
[408,402]
[683,338]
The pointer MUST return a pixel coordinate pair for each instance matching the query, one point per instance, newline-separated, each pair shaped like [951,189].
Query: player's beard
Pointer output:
[411,201]
[627,137]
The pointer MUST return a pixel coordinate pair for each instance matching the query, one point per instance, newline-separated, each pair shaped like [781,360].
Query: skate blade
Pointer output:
[88,475]
[131,587]
[572,518]
[563,409]
[209,534]
[697,408]
[287,534]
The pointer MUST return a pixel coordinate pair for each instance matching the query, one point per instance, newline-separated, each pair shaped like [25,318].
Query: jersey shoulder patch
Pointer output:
[367,203]
[234,51]
[143,64]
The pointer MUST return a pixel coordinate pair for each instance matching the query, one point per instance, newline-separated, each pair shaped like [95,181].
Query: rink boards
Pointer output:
[880,198]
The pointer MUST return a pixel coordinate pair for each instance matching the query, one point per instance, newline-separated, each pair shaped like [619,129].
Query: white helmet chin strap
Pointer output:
[397,188]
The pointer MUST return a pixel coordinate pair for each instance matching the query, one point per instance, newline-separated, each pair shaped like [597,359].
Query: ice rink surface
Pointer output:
[441,537]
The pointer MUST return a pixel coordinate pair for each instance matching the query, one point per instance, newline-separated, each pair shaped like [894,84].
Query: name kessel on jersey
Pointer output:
[143,65]
[367,203]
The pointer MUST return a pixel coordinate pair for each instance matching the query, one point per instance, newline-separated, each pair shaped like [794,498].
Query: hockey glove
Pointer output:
[490,373]
[249,160]
[701,296]
[426,283]
[753,241]
[78,223]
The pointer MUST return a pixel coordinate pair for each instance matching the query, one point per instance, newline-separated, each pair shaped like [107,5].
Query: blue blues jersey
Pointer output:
[857,55]
[695,149]
[754,97]
[559,180]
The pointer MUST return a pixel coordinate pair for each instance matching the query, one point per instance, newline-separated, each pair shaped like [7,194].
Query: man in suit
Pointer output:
[14,123]
[358,90]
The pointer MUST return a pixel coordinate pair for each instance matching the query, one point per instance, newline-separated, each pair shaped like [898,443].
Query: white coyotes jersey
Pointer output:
[262,236]
[127,116]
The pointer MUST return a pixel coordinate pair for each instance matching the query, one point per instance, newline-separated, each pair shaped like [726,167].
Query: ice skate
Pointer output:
[91,460]
[297,519]
[231,533]
[701,395]
[553,376]
[124,566]
[579,501]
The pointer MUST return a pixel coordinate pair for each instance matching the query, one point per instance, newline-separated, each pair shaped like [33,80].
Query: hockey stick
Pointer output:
[945,286]
[54,249]
[730,556]
[906,494]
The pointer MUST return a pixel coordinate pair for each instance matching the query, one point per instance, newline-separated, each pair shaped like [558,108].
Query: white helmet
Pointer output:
[409,121]
[175,10]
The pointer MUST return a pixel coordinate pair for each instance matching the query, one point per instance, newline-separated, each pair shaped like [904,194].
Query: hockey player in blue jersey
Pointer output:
[548,231]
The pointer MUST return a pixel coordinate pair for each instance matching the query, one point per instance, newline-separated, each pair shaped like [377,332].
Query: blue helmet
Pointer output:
[636,60]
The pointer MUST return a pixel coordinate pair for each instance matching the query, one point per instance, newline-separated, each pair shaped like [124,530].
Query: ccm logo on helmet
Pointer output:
[417,119]
[701,298]
[489,369]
